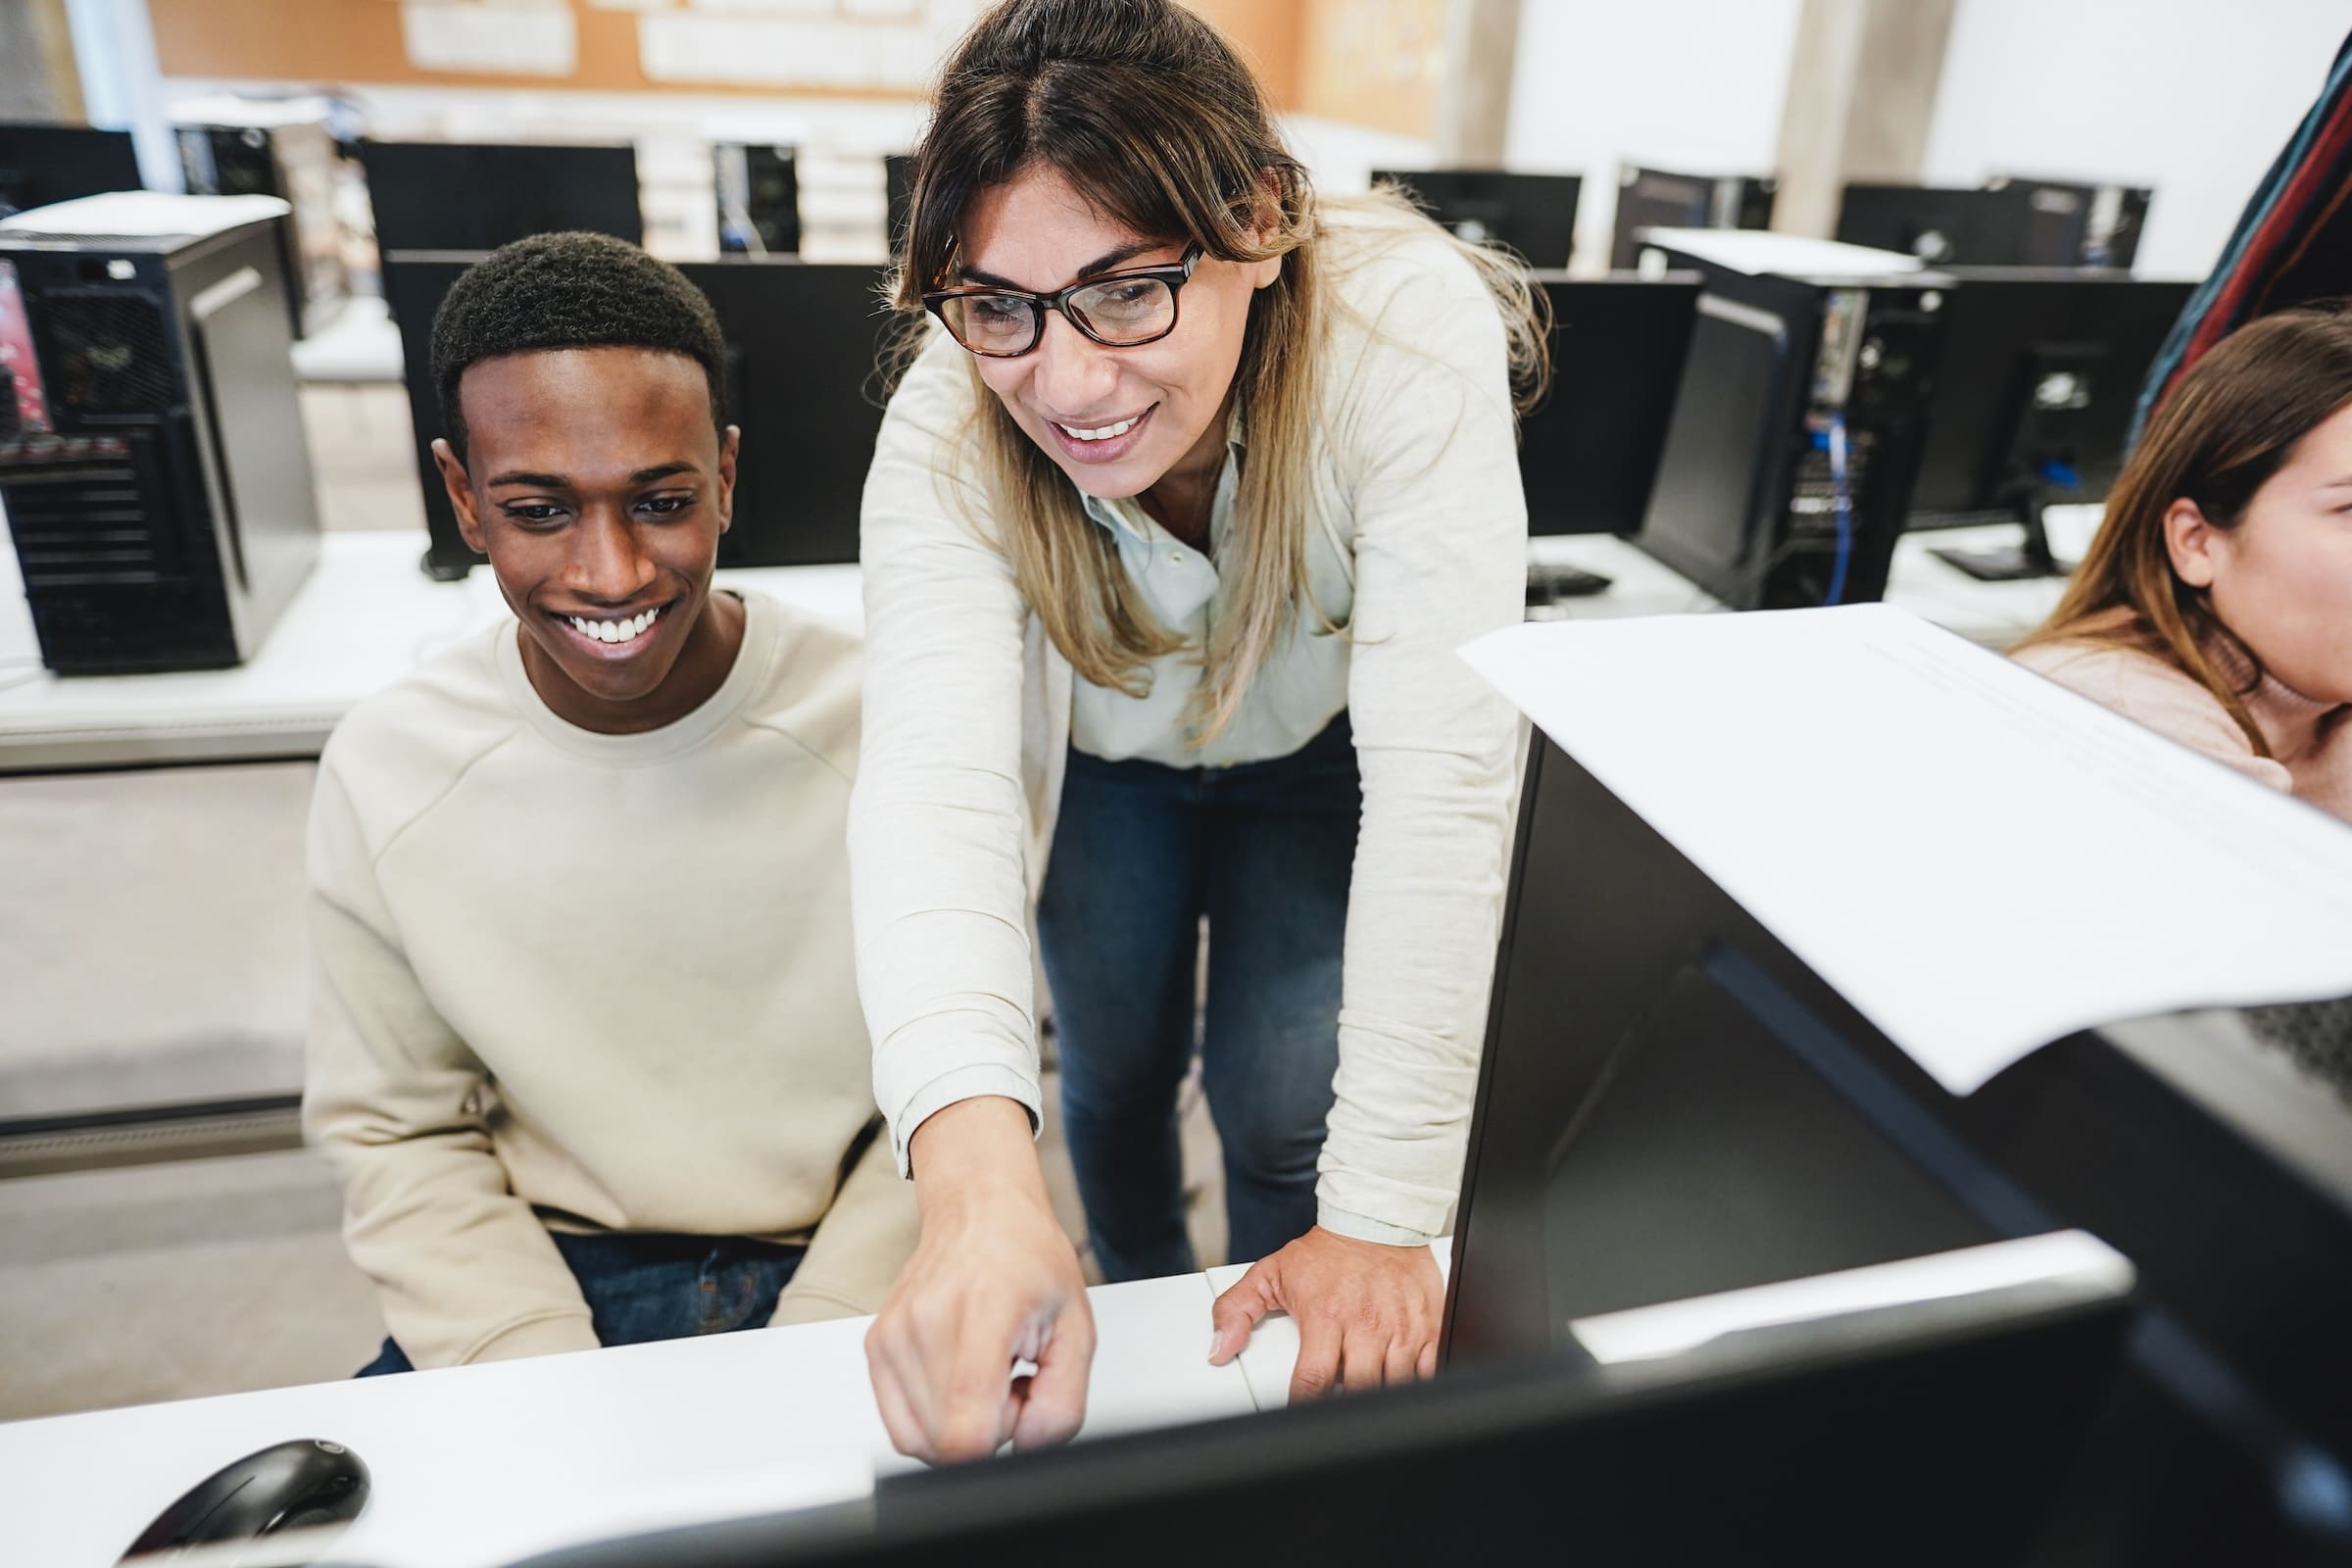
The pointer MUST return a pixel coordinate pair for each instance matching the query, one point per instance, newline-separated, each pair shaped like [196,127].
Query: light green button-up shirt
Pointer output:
[1302,688]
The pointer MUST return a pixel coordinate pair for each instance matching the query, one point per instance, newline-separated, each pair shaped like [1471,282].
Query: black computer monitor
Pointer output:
[1534,214]
[1589,452]
[758,189]
[1870,1437]
[804,347]
[2073,223]
[804,343]
[461,196]
[1670,1101]
[1658,198]
[2033,400]
[42,164]
[1942,227]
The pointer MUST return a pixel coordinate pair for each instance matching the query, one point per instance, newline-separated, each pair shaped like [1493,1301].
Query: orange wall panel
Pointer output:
[326,42]
[1267,34]
[1373,63]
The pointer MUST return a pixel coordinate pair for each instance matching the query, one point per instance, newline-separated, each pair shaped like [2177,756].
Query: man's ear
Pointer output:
[2189,539]
[461,495]
[729,445]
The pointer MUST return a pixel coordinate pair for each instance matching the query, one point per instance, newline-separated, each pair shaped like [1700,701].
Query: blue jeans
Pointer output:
[643,1286]
[1141,853]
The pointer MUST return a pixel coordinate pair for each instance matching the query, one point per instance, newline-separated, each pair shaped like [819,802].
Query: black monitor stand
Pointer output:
[2019,562]
[2048,409]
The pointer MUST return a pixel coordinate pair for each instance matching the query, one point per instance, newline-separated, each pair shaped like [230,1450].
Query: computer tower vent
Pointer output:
[80,524]
[158,501]
[109,354]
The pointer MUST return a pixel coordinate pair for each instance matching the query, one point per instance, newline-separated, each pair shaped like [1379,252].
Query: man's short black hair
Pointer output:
[571,291]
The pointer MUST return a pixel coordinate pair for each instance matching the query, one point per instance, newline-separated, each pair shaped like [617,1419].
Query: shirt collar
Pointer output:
[1125,516]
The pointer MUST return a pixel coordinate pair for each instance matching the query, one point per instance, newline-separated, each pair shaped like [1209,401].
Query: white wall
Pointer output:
[2191,97]
[1691,86]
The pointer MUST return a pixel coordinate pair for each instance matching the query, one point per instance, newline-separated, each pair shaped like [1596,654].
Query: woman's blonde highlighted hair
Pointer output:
[1146,110]
[2233,422]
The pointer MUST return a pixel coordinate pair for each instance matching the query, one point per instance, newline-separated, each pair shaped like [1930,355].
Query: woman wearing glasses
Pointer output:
[1169,542]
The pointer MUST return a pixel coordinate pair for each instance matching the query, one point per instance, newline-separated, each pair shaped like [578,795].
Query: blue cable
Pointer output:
[1844,507]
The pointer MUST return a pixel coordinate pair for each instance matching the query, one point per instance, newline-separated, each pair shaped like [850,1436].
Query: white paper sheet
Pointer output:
[1764,251]
[1980,861]
[145,212]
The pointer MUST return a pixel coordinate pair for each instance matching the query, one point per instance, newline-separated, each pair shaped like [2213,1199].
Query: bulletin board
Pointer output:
[1367,62]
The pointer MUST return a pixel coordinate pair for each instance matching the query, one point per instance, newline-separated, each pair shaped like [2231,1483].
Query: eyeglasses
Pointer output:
[1123,311]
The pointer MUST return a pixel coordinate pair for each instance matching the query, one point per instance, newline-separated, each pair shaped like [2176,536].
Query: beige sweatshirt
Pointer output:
[593,982]
[2310,741]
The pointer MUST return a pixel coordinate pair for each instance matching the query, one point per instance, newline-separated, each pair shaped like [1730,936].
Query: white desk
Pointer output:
[365,618]
[360,344]
[1994,613]
[488,1463]
[485,1464]
[1639,584]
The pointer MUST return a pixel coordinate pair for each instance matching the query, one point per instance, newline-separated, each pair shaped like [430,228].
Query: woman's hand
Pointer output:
[1368,1314]
[993,1280]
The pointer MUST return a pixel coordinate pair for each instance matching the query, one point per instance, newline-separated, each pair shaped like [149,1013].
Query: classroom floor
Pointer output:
[151,948]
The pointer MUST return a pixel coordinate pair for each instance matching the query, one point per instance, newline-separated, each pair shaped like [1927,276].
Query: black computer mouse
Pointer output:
[294,1486]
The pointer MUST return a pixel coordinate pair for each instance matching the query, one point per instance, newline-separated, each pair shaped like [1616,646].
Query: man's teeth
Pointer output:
[614,631]
[1104,433]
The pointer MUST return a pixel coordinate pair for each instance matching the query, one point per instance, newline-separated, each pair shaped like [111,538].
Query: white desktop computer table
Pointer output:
[486,1464]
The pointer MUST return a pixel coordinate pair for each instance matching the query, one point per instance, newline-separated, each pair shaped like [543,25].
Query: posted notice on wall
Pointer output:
[1979,859]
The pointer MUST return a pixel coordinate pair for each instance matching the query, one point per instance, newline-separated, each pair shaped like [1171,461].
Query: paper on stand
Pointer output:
[1978,860]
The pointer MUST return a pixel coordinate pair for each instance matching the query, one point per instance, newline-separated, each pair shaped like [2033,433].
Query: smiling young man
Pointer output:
[586,1050]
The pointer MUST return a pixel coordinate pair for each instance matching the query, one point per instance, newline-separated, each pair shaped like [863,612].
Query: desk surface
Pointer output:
[359,344]
[484,1464]
[367,615]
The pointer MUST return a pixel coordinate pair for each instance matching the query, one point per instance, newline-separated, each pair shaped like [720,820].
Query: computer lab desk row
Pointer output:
[367,615]
[487,1464]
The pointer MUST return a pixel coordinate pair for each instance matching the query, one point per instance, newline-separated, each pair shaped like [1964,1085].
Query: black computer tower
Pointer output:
[1657,198]
[1796,435]
[152,459]
[758,199]
[294,162]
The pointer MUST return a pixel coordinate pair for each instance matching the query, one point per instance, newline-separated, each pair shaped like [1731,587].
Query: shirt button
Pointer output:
[1175,558]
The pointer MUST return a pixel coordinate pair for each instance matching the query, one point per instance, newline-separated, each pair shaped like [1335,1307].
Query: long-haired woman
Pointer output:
[2215,604]
[1170,540]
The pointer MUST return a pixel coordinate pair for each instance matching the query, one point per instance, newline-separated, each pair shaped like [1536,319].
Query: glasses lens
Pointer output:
[990,324]
[1126,309]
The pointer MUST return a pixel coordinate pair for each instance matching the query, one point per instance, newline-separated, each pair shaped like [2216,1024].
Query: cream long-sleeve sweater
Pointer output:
[969,714]
[594,982]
